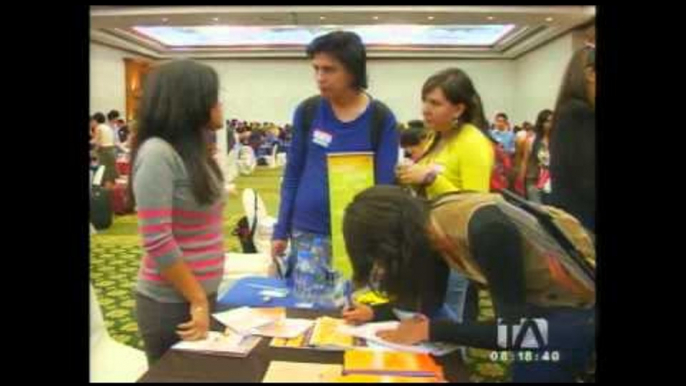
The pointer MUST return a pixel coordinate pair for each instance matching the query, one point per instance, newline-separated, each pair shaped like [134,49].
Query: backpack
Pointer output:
[564,228]
[245,232]
[379,113]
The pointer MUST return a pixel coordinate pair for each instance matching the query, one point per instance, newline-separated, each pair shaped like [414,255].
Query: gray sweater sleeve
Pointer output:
[153,176]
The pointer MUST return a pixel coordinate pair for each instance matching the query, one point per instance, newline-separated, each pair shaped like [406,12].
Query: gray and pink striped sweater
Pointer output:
[173,226]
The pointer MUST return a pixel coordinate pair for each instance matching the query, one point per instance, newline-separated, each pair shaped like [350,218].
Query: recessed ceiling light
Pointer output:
[430,17]
[549,19]
[376,18]
[322,17]
[491,18]
[215,18]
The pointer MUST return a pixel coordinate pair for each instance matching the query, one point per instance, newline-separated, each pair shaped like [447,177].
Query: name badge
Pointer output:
[322,138]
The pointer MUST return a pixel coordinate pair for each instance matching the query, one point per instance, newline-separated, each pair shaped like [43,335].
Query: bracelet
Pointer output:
[198,308]
[430,177]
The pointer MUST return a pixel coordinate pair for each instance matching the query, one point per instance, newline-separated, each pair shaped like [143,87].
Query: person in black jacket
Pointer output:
[404,247]
[572,142]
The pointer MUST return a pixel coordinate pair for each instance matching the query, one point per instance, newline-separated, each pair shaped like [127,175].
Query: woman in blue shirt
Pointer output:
[341,121]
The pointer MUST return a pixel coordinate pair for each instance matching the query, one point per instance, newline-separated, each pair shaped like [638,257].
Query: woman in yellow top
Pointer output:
[460,157]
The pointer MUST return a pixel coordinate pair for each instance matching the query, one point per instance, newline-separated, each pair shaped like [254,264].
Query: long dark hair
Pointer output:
[574,81]
[386,227]
[458,87]
[176,103]
[539,130]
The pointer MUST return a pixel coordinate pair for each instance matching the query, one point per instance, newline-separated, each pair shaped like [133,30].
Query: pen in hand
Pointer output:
[348,306]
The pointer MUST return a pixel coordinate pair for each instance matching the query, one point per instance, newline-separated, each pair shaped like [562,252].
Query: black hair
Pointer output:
[412,136]
[99,117]
[540,121]
[112,115]
[573,85]
[538,129]
[415,123]
[176,105]
[502,115]
[347,48]
[384,226]
[458,88]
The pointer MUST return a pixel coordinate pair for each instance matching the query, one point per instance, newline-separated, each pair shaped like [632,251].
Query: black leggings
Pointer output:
[157,323]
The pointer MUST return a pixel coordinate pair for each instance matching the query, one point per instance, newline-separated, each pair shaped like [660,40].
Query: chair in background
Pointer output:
[240,265]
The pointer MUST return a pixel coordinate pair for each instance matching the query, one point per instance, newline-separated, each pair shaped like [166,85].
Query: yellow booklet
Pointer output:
[364,378]
[324,335]
[349,173]
[390,363]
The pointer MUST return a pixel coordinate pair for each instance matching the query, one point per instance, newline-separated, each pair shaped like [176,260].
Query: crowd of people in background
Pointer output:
[110,138]
[257,135]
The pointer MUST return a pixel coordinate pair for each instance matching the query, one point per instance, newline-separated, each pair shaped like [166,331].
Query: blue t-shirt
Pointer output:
[505,138]
[305,198]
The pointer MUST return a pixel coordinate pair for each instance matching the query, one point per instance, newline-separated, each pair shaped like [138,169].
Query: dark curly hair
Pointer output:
[385,229]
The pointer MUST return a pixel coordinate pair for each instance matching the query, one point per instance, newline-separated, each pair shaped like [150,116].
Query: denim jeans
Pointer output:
[455,300]
[455,297]
[318,248]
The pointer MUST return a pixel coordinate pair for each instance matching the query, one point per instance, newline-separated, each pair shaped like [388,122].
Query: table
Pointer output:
[177,366]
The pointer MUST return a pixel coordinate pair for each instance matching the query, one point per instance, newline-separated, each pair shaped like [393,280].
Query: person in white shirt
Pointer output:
[105,144]
[115,124]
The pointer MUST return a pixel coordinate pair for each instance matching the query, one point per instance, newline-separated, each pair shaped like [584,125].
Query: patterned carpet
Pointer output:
[116,253]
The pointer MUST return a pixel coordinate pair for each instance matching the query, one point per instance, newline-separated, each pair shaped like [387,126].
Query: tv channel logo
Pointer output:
[528,334]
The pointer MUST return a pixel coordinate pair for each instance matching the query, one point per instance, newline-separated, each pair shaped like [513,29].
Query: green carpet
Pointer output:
[115,255]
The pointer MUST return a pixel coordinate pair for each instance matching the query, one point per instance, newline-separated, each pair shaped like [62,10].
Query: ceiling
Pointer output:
[396,31]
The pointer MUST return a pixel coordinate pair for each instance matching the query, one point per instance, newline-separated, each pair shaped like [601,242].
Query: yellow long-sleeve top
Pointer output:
[465,162]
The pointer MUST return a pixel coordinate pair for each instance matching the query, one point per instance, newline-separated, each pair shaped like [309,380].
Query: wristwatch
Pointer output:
[430,177]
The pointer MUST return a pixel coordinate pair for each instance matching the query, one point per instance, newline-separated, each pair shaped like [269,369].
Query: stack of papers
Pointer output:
[270,322]
[397,364]
[220,344]
[285,328]
[244,320]
[368,333]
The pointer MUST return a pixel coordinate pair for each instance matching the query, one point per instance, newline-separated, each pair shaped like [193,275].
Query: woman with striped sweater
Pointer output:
[177,187]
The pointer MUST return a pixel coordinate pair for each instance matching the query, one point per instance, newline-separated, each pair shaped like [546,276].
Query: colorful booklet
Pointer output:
[233,345]
[349,173]
[369,362]
[324,335]
[363,378]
